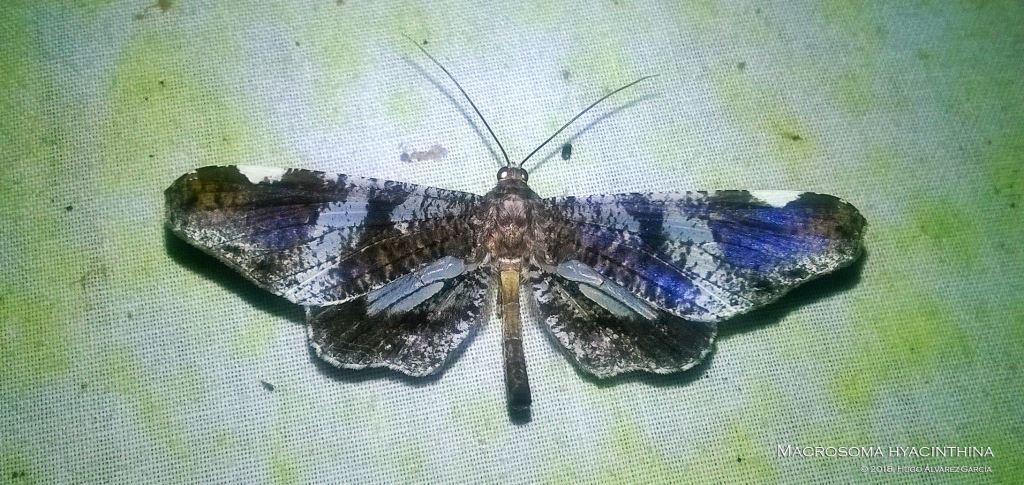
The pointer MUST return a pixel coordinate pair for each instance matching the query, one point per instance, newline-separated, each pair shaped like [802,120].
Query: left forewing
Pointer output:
[702,256]
[316,238]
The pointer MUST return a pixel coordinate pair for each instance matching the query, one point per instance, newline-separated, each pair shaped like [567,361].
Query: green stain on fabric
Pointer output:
[948,230]
[1007,466]
[903,341]
[864,35]
[409,19]
[364,411]
[881,162]
[540,13]
[1005,166]
[164,5]
[160,426]
[34,341]
[164,109]
[162,105]
[283,467]
[746,459]
[117,371]
[15,468]
[853,90]
[1015,330]
[631,456]
[994,417]
[626,437]
[27,132]
[485,418]
[155,399]
[983,95]
[158,404]
[340,61]
[672,139]
[645,463]
[411,459]
[405,105]
[799,332]
[697,12]
[39,299]
[860,24]
[90,6]
[285,442]
[224,441]
[839,12]
[255,339]
[994,420]
[971,76]
[332,59]
[604,56]
[854,391]
[774,126]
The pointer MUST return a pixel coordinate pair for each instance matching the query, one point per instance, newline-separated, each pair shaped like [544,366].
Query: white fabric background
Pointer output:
[128,358]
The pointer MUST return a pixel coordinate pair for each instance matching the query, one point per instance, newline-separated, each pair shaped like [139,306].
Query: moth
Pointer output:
[398,275]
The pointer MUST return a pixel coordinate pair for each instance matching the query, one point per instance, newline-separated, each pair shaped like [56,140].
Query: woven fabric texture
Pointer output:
[126,356]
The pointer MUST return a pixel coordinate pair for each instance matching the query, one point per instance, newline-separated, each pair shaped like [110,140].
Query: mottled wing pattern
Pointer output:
[707,256]
[605,344]
[417,341]
[668,266]
[316,238]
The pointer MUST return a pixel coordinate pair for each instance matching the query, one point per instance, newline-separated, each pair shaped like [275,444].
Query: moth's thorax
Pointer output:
[511,234]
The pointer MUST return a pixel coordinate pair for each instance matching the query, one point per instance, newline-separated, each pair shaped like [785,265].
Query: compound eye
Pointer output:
[512,173]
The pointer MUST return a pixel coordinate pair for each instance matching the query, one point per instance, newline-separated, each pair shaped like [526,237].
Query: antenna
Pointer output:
[574,118]
[508,163]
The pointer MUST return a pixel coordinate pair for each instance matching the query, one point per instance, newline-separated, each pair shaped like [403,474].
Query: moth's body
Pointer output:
[513,239]
[399,275]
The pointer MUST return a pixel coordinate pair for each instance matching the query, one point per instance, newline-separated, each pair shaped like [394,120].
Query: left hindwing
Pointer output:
[639,280]
[414,335]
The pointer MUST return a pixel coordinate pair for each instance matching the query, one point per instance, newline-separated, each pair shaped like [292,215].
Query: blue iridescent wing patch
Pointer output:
[314,238]
[647,262]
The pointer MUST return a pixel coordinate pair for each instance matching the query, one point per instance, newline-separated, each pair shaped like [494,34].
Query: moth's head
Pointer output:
[512,173]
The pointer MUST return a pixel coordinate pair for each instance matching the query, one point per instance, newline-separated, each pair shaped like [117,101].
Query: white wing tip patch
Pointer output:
[775,198]
[257,174]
